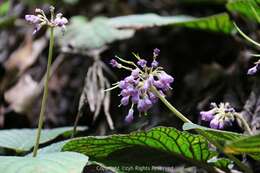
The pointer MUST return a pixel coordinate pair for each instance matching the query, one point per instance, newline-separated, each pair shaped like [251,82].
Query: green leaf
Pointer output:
[53,148]
[246,8]
[63,162]
[216,23]
[82,35]
[218,135]
[245,145]
[22,140]
[182,145]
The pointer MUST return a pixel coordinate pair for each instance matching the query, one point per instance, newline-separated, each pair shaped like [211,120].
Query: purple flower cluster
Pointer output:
[219,116]
[136,89]
[40,20]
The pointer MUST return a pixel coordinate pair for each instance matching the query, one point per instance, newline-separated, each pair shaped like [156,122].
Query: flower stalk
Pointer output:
[39,20]
[244,123]
[169,106]
[45,94]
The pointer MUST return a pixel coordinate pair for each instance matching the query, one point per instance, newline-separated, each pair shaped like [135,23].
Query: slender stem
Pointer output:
[75,125]
[45,95]
[168,104]
[244,123]
[186,120]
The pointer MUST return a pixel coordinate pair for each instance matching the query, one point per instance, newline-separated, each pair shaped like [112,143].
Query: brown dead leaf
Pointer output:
[23,94]
[26,55]
[22,59]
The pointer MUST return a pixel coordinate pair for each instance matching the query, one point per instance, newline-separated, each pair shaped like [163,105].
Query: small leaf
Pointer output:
[182,145]
[62,162]
[23,140]
[246,8]
[217,135]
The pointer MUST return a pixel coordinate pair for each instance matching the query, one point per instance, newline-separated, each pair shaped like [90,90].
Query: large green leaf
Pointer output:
[62,162]
[182,145]
[216,23]
[217,135]
[22,140]
[247,8]
[83,35]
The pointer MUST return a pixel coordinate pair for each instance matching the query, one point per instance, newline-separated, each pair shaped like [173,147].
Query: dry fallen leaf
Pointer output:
[26,55]
[23,94]
[21,59]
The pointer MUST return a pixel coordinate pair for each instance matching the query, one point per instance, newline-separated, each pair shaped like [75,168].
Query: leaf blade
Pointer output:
[193,148]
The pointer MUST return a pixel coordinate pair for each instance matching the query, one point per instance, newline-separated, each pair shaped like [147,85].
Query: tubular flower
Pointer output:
[136,88]
[39,20]
[219,116]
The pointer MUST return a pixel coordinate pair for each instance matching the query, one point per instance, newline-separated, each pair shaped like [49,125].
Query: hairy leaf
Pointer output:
[182,145]
[62,162]
[22,140]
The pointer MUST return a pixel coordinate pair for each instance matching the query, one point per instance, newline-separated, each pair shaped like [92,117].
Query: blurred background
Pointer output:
[198,43]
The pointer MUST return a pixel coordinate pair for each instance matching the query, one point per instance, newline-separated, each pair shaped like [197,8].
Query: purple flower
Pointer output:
[142,63]
[135,73]
[144,104]
[219,116]
[154,63]
[215,123]
[130,79]
[114,63]
[165,78]
[122,84]
[125,100]
[156,52]
[130,116]
[32,19]
[153,97]
[253,70]
[60,21]
[207,115]
[135,97]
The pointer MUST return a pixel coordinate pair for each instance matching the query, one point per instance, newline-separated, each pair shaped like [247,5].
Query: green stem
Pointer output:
[186,120]
[244,123]
[168,104]
[45,94]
